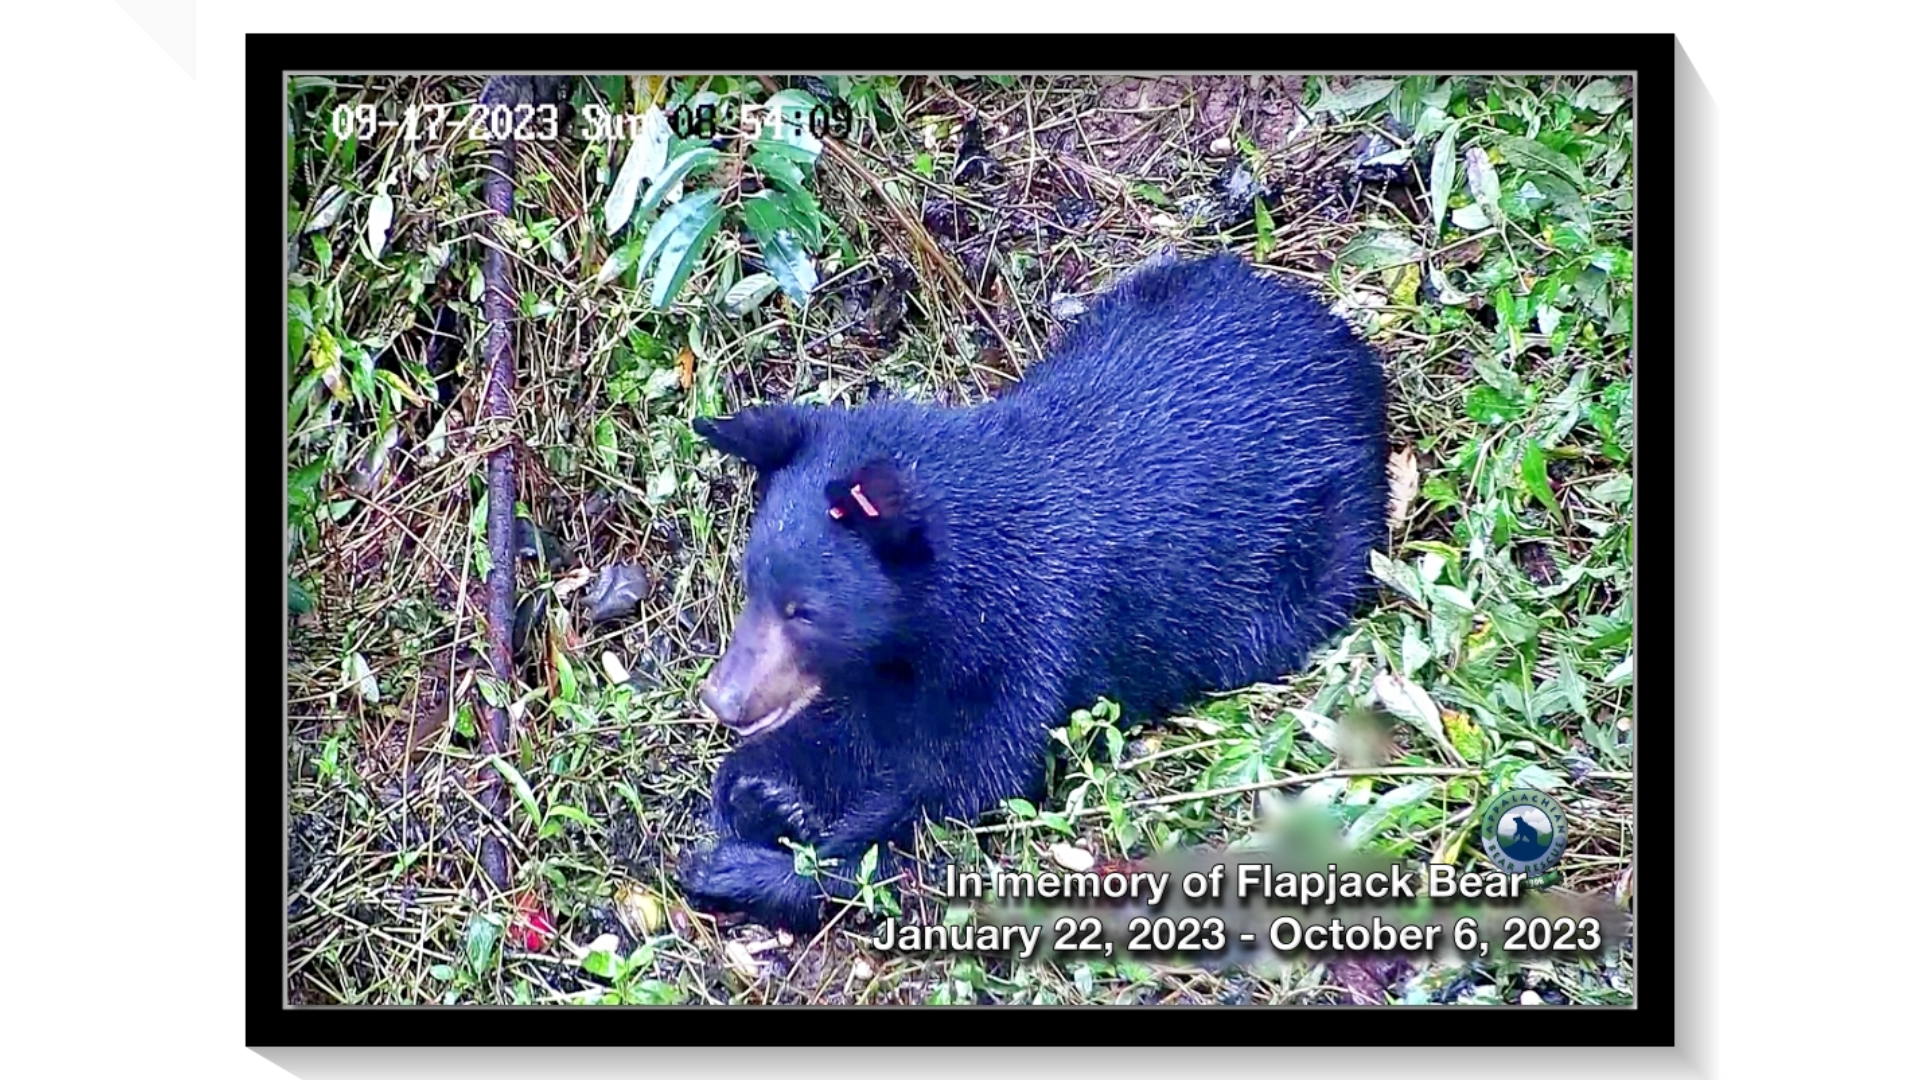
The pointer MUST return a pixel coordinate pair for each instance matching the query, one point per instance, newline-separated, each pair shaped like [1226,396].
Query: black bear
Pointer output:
[1180,499]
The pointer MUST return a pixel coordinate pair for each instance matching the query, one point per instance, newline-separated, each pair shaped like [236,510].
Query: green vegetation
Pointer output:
[1479,230]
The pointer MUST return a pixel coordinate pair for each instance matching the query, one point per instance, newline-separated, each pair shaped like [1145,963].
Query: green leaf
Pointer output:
[1399,575]
[1020,808]
[1565,199]
[520,787]
[1444,165]
[606,442]
[1414,652]
[1152,193]
[602,962]
[619,261]
[1380,247]
[1533,473]
[1387,807]
[676,171]
[770,217]
[747,293]
[1263,230]
[791,131]
[1533,157]
[482,934]
[573,814]
[1535,776]
[1354,97]
[677,241]
[298,600]
[1489,406]
[783,170]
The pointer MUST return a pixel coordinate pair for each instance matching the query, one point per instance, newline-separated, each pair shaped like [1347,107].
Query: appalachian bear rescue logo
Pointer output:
[1524,832]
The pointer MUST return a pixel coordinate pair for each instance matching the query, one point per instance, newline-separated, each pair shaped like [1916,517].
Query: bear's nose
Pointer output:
[723,702]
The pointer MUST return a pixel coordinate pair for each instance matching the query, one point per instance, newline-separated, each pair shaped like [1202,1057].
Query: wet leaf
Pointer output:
[606,443]
[1539,777]
[529,613]
[1471,218]
[1402,577]
[1414,651]
[327,210]
[360,677]
[644,162]
[674,172]
[379,219]
[616,592]
[748,292]
[771,218]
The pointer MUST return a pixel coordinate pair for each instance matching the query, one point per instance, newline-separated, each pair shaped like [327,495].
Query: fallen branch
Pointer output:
[496,411]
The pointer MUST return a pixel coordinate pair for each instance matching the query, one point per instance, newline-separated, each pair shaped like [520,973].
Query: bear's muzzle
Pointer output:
[758,683]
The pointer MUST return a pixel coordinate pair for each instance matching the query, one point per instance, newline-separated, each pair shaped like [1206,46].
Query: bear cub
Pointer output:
[1180,499]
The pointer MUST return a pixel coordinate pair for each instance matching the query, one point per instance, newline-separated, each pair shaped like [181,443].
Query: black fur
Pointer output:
[1180,500]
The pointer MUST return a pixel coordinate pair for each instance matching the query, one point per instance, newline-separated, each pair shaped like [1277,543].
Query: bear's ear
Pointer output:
[876,502]
[764,436]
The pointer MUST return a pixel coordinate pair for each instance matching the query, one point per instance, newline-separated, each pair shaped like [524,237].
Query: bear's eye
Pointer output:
[796,610]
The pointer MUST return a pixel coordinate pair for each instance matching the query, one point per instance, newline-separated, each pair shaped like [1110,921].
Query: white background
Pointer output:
[120,421]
